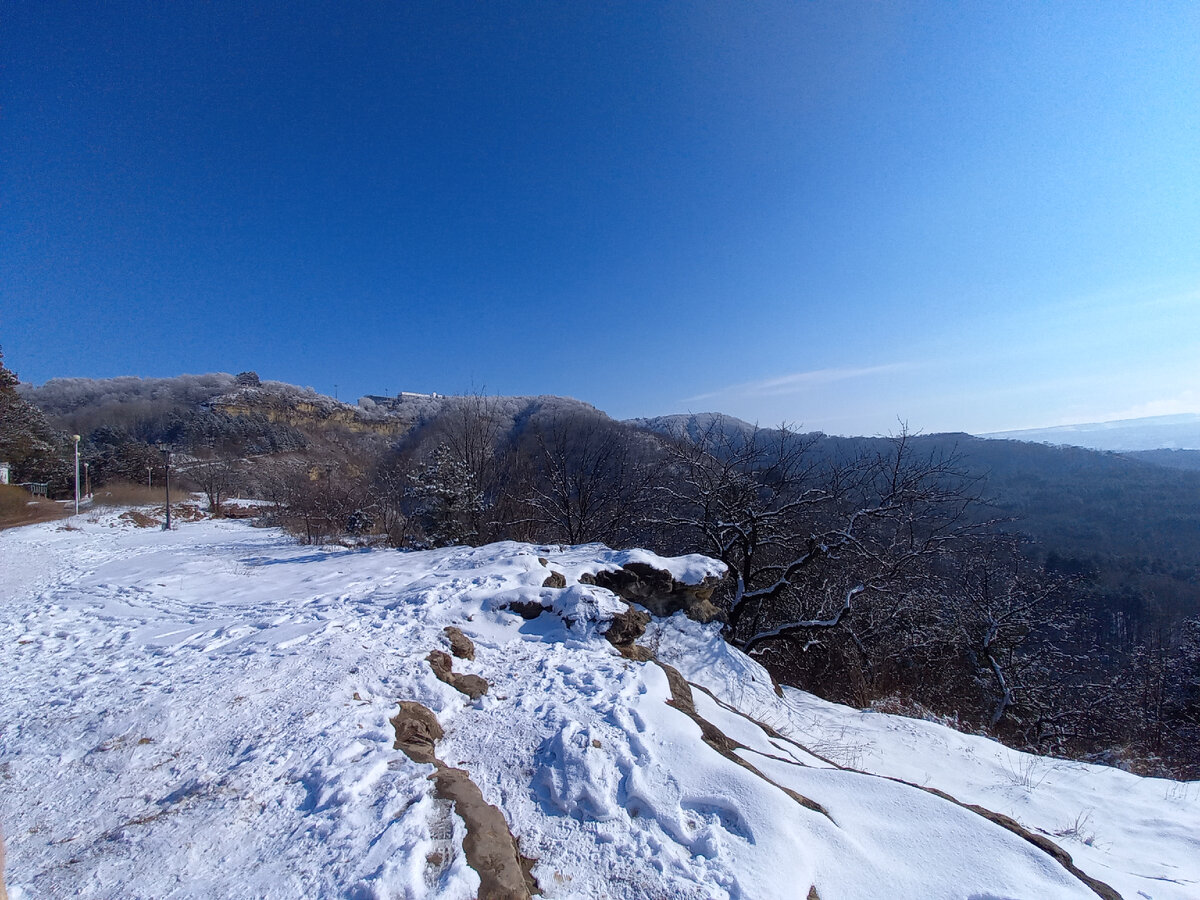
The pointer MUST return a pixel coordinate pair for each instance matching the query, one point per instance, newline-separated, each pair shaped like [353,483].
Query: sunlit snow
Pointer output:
[205,713]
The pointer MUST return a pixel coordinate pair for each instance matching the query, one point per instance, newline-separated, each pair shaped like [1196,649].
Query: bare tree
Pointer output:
[590,478]
[1016,626]
[806,538]
[216,477]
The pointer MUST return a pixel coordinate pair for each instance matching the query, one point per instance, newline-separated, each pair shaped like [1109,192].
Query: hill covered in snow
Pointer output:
[219,712]
[1177,432]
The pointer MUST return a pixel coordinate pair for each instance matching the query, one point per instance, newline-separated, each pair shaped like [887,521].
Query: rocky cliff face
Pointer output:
[307,412]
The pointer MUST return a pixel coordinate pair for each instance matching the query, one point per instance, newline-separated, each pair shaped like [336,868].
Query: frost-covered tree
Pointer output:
[448,502]
[35,451]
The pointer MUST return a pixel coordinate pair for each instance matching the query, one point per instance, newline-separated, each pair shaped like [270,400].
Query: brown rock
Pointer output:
[555,580]
[527,609]
[417,731]
[489,846]
[658,591]
[627,626]
[443,667]
[471,685]
[625,629]
[460,644]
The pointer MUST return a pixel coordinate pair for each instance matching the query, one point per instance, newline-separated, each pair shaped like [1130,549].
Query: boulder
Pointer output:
[658,591]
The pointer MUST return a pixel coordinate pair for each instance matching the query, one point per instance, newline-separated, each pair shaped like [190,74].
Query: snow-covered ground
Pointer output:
[205,713]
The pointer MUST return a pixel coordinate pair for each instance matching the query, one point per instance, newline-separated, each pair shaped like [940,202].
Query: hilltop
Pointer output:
[218,711]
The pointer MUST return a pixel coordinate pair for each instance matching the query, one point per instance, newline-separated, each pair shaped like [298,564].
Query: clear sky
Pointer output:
[971,216]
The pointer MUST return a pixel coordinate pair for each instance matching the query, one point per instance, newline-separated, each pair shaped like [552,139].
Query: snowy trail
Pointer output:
[206,714]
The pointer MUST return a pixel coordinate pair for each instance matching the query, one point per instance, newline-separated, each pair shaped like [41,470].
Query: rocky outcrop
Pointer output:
[659,591]
[305,413]
[526,609]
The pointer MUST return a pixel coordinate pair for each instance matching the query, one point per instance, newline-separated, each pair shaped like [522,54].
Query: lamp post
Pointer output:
[166,452]
[75,438]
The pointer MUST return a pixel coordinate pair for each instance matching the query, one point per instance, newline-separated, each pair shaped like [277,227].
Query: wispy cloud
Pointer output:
[798,382]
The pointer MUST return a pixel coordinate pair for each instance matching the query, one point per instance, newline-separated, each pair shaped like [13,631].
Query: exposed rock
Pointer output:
[443,667]
[417,731]
[490,848]
[625,629]
[526,609]
[658,591]
[682,700]
[1100,888]
[460,644]
[555,580]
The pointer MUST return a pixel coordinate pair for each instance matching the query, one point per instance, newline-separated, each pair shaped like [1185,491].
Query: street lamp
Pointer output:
[165,450]
[75,438]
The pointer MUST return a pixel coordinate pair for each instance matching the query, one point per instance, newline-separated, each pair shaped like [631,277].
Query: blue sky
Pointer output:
[970,216]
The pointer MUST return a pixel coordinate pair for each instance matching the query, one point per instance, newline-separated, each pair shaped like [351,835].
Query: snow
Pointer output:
[593,558]
[1177,432]
[205,713]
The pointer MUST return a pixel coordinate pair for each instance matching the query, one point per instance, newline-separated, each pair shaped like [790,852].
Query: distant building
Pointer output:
[5,471]
[393,402]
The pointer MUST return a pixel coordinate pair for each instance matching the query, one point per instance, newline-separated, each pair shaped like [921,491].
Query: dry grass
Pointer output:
[141,520]
[125,494]
[19,507]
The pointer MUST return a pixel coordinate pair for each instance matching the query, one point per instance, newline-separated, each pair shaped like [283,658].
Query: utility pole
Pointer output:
[75,438]
[166,452]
